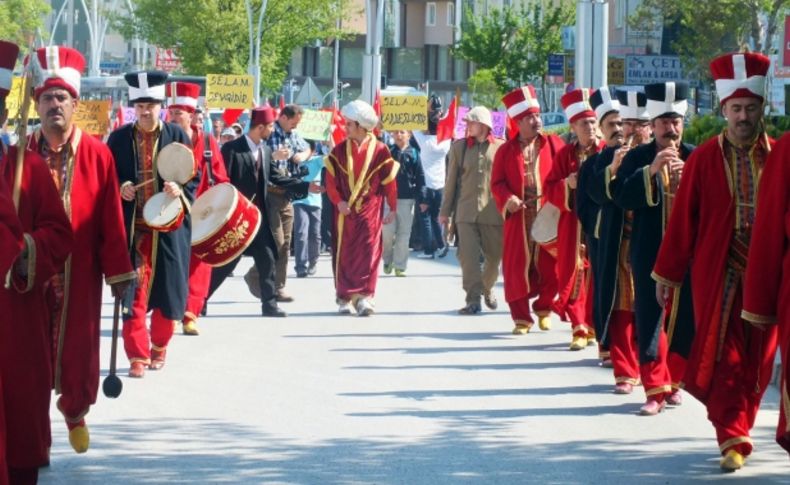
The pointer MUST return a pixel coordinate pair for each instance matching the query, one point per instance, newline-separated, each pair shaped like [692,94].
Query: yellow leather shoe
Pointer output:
[80,438]
[190,328]
[521,329]
[544,322]
[578,343]
[731,461]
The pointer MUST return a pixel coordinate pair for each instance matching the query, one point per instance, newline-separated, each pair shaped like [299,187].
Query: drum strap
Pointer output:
[207,157]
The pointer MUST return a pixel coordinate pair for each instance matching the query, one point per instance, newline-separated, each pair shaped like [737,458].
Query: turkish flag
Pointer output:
[445,129]
[338,126]
[231,115]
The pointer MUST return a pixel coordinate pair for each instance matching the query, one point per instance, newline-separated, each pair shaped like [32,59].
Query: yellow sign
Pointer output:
[570,69]
[14,100]
[615,71]
[314,125]
[93,116]
[408,112]
[229,91]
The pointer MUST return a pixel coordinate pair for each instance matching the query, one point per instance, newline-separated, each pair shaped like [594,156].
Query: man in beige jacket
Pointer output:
[467,198]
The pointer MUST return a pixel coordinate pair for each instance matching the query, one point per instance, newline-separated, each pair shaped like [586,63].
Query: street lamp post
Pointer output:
[254,61]
[371,67]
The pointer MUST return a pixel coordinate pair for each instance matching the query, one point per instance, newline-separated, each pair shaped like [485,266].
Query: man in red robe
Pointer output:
[709,234]
[766,289]
[518,176]
[182,100]
[84,173]
[25,345]
[573,267]
[360,175]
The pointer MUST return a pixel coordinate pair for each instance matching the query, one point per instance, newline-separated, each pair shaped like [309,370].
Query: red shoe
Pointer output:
[157,359]
[137,369]
[623,388]
[651,408]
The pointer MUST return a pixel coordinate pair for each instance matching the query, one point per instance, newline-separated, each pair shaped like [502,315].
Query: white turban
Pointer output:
[362,113]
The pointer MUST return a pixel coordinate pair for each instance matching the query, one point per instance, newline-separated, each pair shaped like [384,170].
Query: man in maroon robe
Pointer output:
[573,267]
[708,234]
[360,175]
[83,170]
[25,350]
[182,100]
[518,176]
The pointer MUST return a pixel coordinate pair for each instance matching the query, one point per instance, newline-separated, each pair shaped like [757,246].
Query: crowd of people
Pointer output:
[641,242]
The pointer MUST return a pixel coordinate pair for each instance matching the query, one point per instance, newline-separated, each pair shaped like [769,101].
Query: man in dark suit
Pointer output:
[251,167]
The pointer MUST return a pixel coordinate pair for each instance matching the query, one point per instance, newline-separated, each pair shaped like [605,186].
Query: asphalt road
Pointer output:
[414,394]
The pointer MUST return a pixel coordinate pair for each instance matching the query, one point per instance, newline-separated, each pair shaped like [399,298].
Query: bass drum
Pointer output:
[224,224]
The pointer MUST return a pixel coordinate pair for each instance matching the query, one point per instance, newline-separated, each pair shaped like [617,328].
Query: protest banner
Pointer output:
[93,116]
[409,112]
[498,119]
[14,100]
[229,91]
[314,125]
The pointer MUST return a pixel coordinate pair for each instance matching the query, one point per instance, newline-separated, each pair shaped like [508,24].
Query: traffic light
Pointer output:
[383,82]
[339,90]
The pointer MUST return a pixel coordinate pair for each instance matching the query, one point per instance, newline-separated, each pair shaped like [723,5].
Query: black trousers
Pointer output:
[263,252]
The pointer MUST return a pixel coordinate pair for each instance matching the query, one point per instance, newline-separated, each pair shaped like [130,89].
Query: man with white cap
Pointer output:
[645,186]
[519,172]
[182,100]
[708,235]
[573,272]
[83,170]
[161,259]
[614,323]
[360,175]
[25,337]
[468,200]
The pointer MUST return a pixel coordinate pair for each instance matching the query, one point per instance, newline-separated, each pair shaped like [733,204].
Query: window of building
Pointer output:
[430,14]
[507,3]
[297,62]
[351,61]
[451,14]
[325,61]
[407,64]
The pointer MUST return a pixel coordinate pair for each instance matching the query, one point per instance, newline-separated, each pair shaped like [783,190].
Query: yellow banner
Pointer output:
[314,125]
[229,91]
[14,100]
[93,116]
[615,71]
[409,112]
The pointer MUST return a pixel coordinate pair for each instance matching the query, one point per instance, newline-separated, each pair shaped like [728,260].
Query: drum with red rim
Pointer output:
[176,163]
[224,223]
[164,213]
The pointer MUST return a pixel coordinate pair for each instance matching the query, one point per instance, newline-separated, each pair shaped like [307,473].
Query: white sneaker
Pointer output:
[364,307]
[343,307]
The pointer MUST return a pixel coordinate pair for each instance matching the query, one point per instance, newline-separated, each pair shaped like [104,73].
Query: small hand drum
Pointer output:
[544,227]
[175,163]
[163,213]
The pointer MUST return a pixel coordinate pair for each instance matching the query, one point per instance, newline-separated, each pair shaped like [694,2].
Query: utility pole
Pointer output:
[371,64]
[592,43]
[336,67]
[254,61]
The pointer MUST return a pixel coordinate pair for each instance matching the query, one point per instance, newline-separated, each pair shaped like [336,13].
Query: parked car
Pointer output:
[554,120]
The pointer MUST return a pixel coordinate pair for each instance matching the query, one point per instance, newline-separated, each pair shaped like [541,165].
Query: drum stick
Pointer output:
[142,184]
[112,385]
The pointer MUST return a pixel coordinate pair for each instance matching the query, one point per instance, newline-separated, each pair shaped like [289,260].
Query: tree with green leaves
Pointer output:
[514,43]
[211,36]
[484,89]
[21,20]
[709,28]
